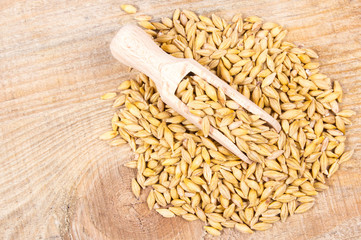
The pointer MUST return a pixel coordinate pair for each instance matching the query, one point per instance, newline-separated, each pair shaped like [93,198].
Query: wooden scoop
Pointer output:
[134,47]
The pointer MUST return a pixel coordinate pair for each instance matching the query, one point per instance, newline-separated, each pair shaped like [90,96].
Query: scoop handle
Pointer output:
[132,46]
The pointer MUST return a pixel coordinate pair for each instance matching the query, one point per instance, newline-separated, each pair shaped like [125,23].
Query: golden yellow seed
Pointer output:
[346,156]
[135,188]
[334,167]
[124,85]
[143,18]
[165,212]
[212,231]
[224,191]
[146,25]
[128,8]
[291,114]
[311,53]
[346,113]
[206,126]
[260,226]
[211,92]
[304,207]
[243,228]
[337,88]
[108,135]
[168,136]
[191,185]
[190,217]
[217,21]
[119,101]
[200,214]
[151,200]
[117,142]
[110,95]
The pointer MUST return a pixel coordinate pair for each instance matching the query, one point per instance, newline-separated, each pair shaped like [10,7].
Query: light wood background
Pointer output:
[58,181]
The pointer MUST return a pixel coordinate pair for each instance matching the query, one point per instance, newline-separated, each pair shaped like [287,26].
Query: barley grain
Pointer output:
[194,177]
[128,8]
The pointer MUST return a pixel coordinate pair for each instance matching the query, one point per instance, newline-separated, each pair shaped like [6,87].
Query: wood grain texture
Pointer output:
[58,181]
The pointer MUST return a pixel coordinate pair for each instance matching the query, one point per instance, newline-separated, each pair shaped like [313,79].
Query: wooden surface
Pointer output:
[58,181]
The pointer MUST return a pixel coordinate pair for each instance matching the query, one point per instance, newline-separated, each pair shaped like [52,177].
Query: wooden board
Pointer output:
[58,181]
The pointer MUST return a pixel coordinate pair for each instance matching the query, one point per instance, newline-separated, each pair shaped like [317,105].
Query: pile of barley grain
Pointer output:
[193,176]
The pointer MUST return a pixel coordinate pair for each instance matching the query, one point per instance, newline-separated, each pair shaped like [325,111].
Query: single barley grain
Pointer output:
[128,8]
